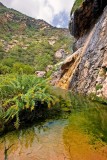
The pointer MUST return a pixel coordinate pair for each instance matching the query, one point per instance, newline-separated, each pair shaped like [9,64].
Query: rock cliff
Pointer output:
[85,71]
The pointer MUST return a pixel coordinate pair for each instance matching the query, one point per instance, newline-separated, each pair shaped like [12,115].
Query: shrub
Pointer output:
[4,69]
[8,62]
[22,68]
[41,61]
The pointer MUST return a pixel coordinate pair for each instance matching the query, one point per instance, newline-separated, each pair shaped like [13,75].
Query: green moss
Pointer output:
[98,87]
[76,5]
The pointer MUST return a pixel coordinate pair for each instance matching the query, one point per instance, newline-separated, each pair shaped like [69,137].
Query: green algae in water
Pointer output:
[92,121]
[85,137]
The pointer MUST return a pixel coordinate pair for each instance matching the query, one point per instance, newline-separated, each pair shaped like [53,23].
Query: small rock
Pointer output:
[60,54]
[99,79]
[49,67]
[40,73]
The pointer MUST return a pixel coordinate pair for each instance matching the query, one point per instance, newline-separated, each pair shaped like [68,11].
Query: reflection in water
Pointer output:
[85,137]
[44,142]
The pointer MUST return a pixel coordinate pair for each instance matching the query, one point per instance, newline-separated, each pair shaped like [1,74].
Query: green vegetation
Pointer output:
[98,87]
[77,4]
[28,41]
[42,61]
[91,121]
[95,98]
[27,45]
[86,133]
[8,65]
[22,93]
[32,49]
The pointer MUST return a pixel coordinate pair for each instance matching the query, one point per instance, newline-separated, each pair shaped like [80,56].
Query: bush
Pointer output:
[4,69]
[8,62]
[41,61]
[22,68]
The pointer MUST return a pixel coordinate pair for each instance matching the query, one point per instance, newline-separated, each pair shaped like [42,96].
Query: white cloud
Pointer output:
[41,9]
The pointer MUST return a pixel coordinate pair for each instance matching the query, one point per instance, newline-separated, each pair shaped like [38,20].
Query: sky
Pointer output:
[55,12]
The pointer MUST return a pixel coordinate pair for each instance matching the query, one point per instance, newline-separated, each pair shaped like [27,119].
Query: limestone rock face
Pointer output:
[86,70]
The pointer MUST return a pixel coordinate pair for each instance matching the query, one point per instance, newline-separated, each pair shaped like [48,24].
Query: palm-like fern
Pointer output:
[21,92]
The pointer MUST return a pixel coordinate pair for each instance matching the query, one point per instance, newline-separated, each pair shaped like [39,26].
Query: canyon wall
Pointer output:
[85,71]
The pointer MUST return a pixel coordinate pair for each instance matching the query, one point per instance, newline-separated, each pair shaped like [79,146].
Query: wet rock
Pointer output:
[70,60]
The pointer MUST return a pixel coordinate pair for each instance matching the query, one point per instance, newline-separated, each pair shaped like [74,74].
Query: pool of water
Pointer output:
[83,136]
[44,142]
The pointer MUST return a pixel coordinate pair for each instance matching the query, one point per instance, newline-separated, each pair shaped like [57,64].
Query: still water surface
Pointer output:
[83,136]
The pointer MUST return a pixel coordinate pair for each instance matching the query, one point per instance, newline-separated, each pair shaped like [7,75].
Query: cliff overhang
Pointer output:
[83,18]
